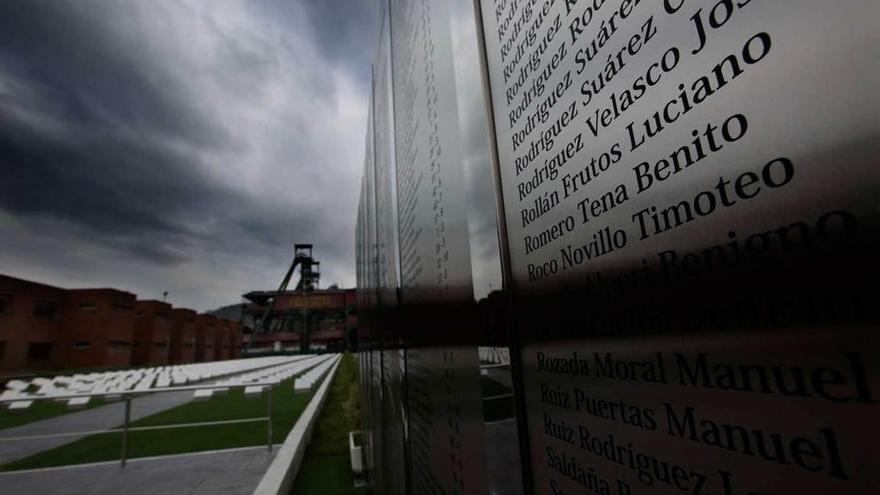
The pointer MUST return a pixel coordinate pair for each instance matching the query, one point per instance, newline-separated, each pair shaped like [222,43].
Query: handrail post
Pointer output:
[125,429]
[269,417]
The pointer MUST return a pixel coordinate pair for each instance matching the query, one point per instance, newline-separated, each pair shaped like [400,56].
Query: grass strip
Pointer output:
[326,468]
[326,475]
[286,409]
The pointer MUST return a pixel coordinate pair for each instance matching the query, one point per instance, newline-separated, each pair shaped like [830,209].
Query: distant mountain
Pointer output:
[233,312]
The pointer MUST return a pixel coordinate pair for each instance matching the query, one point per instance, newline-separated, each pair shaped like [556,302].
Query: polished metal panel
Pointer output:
[371,234]
[442,387]
[633,133]
[395,452]
[435,265]
[387,262]
[730,413]
[504,469]
[391,473]
[482,219]
[690,192]
[446,421]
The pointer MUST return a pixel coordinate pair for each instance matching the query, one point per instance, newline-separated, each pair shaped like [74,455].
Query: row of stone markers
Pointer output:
[273,376]
[20,394]
[307,381]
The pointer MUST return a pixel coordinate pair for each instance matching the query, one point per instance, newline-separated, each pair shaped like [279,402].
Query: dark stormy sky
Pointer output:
[181,145]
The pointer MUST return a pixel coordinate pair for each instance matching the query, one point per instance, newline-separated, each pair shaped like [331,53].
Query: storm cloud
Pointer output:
[180,145]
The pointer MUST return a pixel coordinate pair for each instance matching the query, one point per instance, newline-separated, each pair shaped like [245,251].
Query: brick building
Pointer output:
[30,314]
[96,329]
[45,327]
[152,333]
[183,336]
[221,342]
[227,339]
[206,335]
[235,340]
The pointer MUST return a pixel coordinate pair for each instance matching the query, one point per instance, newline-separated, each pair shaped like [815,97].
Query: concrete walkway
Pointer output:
[234,471]
[99,418]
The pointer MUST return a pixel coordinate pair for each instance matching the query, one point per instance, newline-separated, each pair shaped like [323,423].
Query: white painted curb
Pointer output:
[280,475]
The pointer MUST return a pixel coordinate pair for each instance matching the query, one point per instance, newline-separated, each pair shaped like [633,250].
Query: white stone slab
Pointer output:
[20,405]
[203,394]
[253,390]
[78,402]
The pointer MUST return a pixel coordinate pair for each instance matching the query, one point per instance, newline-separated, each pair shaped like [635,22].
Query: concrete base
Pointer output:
[281,474]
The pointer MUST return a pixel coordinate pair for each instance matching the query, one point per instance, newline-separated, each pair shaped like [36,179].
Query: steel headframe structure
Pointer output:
[310,276]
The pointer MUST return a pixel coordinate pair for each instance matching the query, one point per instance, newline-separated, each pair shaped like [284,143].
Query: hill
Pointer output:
[233,312]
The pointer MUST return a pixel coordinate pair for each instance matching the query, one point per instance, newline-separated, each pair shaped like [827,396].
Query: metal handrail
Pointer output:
[129,395]
[137,393]
[136,428]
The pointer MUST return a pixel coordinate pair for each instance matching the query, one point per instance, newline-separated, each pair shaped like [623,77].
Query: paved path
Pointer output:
[99,418]
[234,471]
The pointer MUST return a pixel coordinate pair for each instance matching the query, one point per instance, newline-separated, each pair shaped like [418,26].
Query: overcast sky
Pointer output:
[181,145]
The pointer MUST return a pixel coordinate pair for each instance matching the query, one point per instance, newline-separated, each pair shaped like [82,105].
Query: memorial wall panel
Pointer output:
[690,200]
[394,429]
[631,133]
[371,239]
[386,196]
[394,449]
[360,258]
[434,250]
[474,146]
[444,420]
[373,379]
[376,414]
[504,470]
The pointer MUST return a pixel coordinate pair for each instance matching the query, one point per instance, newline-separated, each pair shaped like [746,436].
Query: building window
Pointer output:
[39,350]
[87,306]
[119,347]
[46,309]
[82,345]
[5,304]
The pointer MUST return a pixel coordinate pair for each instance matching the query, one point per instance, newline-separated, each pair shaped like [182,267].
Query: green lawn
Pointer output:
[326,468]
[286,408]
[39,410]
